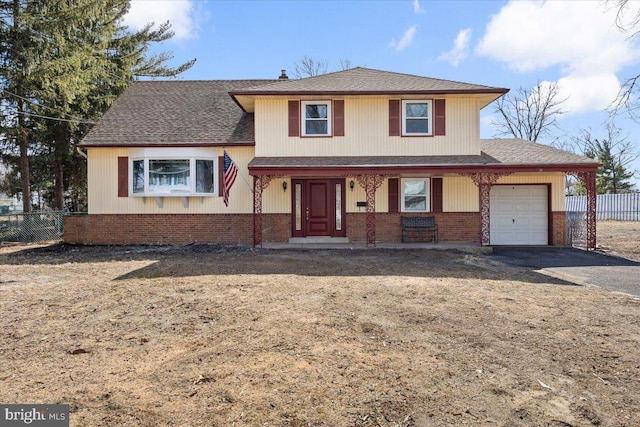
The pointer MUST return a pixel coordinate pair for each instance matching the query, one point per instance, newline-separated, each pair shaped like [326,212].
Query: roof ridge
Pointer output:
[204,81]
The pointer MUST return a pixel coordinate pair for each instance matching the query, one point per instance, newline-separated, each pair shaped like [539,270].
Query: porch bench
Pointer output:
[419,225]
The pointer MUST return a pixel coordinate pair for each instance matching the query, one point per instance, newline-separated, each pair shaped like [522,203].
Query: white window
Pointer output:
[416,117]
[415,195]
[316,118]
[173,176]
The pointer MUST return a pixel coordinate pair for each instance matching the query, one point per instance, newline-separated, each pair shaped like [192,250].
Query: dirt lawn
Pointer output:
[206,335]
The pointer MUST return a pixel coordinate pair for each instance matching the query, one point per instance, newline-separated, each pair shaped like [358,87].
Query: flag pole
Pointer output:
[240,173]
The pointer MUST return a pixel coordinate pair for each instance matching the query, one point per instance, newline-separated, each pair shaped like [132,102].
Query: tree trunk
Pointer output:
[60,157]
[21,131]
[24,161]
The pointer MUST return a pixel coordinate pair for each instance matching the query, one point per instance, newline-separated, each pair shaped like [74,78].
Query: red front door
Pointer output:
[318,207]
[317,218]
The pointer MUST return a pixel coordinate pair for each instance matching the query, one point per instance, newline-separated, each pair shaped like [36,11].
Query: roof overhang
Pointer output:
[246,98]
[144,144]
[395,166]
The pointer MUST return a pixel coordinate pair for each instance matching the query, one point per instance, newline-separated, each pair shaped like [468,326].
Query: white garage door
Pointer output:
[519,215]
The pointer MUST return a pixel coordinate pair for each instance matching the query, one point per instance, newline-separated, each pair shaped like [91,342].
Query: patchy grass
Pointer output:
[620,238]
[208,335]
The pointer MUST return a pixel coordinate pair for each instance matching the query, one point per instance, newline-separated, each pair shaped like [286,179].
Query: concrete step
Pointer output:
[318,239]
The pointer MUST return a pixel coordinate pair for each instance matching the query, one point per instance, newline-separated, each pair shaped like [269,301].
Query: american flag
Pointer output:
[230,173]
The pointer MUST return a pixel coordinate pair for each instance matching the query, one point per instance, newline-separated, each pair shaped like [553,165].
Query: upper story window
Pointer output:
[173,176]
[417,118]
[415,195]
[316,118]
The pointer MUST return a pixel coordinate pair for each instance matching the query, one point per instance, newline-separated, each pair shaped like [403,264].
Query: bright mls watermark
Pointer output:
[34,415]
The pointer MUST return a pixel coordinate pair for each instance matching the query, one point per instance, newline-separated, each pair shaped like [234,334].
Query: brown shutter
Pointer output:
[338,117]
[394,117]
[436,195]
[439,122]
[220,175]
[294,118]
[123,177]
[394,198]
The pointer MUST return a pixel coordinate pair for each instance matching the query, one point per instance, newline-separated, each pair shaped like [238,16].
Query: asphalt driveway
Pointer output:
[575,266]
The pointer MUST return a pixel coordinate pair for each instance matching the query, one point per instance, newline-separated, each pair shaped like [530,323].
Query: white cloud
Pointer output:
[593,92]
[578,37]
[460,48]
[406,39]
[179,12]
[417,9]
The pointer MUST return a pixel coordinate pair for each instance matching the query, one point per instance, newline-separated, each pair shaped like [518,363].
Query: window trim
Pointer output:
[429,117]
[303,119]
[427,196]
[192,176]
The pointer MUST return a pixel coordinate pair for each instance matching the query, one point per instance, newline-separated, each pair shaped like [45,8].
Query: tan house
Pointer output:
[341,156]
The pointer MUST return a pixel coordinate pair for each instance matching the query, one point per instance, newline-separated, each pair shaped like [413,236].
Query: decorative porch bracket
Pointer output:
[484,182]
[371,183]
[588,179]
[260,183]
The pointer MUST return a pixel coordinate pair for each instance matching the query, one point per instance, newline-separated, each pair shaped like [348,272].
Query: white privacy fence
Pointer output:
[617,207]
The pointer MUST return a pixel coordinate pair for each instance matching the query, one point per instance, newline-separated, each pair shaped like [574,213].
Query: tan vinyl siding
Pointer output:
[460,194]
[366,131]
[275,199]
[103,187]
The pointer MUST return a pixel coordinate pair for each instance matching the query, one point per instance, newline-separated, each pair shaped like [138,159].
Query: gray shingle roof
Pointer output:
[494,153]
[365,80]
[175,112]
[519,152]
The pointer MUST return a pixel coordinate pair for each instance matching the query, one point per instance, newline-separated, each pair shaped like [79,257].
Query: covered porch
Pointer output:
[370,173]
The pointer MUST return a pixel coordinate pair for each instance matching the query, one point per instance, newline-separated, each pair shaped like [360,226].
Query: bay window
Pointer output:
[173,176]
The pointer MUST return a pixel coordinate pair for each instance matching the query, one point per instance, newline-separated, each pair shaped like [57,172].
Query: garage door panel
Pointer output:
[539,223]
[524,192]
[503,221]
[519,215]
[523,208]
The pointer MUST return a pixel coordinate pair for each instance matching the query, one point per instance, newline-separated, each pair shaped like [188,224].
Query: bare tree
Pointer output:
[529,113]
[309,67]
[628,21]
[345,64]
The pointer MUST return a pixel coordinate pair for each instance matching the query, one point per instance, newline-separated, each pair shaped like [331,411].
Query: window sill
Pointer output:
[160,198]
[174,195]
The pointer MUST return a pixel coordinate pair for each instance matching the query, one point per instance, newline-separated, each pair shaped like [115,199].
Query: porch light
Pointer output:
[351,185]
[284,186]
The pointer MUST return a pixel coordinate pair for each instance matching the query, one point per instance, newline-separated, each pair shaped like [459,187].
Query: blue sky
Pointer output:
[575,44]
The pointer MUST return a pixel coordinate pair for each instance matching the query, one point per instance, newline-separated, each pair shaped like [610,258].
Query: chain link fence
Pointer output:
[33,227]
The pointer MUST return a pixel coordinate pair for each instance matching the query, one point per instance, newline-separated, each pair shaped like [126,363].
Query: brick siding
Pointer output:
[238,228]
[559,224]
[148,229]
[452,226]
